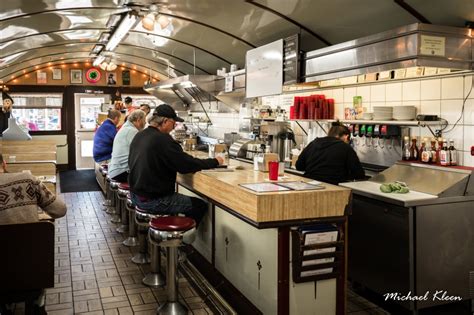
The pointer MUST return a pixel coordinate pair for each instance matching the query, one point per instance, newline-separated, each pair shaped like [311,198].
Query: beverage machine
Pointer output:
[377,144]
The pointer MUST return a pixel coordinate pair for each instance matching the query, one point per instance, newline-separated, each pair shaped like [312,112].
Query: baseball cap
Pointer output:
[164,110]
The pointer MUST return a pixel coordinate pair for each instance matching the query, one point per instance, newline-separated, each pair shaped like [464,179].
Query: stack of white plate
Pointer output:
[404,112]
[383,112]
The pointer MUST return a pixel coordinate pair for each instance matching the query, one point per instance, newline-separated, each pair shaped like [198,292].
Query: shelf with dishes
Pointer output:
[410,123]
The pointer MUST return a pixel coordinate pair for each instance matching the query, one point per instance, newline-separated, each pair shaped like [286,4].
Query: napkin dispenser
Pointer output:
[263,159]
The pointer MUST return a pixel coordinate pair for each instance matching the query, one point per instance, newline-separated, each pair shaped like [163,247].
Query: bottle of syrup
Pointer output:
[444,154]
[414,150]
[433,155]
[452,153]
[438,151]
[424,152]
[406,149]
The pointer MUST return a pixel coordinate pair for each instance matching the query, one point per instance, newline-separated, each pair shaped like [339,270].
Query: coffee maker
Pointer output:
[285,142]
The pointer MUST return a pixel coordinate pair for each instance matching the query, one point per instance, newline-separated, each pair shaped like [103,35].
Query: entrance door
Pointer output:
[87,108]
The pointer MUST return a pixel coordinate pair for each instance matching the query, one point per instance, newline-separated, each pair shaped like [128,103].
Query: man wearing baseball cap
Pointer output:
[155,159]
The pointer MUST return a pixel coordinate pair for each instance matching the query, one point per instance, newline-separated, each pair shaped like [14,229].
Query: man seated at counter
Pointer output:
[118,166]
[104,137]
[331,159]
[154,160]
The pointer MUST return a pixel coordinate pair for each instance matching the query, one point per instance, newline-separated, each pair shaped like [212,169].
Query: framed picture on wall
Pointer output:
[76,76]
[41,77]
[126,77]
[57,74]
[111,78]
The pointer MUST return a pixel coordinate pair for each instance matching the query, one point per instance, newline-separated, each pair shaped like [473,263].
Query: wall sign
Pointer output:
[433,45]
[93,75]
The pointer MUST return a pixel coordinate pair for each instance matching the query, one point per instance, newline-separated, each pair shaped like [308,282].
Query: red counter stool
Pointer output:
[132,239]
[171,232]
[115,214]
[142,219]
[122,193]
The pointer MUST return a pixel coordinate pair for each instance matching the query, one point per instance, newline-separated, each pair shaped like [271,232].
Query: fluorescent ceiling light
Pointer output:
[112,21]
[122,30]
[97,48]
[98,60]
[104,37]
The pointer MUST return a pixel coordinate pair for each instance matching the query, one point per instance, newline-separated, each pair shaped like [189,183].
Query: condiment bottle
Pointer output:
[438,151]
[425,153]
[433,155]
[452,153]
[406,149]
[444,154]
[413,150]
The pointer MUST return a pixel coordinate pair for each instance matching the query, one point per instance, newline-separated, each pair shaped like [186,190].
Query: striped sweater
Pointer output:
[22,195]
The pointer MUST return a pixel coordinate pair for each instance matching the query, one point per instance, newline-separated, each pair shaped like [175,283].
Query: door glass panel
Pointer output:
[86,148]
[90,108]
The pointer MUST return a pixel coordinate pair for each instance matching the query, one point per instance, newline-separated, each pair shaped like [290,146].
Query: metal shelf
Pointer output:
[377,122]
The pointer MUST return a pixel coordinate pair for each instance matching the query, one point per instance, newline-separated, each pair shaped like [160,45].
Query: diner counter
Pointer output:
[224,188]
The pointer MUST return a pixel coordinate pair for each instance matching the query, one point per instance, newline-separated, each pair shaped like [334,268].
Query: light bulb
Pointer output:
[148,22]
[164,21]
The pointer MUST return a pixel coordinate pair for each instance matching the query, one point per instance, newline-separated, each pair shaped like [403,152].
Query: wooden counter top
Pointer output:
[223,187]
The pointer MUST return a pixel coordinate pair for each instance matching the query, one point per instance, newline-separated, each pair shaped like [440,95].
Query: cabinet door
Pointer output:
[379,246]
[203,242]
[247,257]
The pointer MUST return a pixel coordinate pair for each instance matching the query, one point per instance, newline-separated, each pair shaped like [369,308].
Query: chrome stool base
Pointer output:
[131,241]
[155,280]
[116,219]
[172,308]
[122,228]
[141,258]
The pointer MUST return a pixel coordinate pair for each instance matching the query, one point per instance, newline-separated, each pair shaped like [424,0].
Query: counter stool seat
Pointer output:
[124,186]
[172,223]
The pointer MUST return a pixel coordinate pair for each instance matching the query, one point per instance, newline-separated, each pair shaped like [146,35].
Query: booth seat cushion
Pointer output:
[172,223]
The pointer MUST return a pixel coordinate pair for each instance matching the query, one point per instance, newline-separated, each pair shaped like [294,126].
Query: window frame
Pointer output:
[62,109]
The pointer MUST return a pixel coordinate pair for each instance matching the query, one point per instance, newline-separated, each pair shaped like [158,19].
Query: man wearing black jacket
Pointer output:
[154,160]
[331,159]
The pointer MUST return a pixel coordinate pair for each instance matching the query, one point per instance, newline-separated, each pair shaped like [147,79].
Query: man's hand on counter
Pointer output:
[220,160]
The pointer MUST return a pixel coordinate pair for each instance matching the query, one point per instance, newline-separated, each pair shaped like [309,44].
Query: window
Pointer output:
[38,112]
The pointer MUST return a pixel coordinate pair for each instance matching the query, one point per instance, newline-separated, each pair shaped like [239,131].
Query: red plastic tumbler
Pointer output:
[273,170]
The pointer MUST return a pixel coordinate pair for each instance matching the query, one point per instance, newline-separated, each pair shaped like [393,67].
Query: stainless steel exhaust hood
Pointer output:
[414,45]
[185,91]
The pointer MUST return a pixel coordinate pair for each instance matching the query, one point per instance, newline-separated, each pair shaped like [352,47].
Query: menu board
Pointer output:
[291,63]
[264,70]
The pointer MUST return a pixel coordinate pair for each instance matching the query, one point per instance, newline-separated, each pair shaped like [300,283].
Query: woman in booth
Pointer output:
[331,159]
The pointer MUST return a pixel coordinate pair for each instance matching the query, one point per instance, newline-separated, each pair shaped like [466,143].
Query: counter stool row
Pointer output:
[165,231]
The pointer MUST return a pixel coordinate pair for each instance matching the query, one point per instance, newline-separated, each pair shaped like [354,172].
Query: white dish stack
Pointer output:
[404,112]
[383,112]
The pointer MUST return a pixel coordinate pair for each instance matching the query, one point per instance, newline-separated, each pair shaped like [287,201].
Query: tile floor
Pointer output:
[94,274]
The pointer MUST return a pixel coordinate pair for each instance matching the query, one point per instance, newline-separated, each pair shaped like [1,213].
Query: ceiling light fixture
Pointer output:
[97,49]
[98,60]
[121,31]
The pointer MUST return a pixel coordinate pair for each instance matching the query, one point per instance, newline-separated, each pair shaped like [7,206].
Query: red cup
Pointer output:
[273,170]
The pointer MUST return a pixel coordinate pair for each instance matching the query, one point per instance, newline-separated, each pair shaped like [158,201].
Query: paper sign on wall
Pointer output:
[433,45]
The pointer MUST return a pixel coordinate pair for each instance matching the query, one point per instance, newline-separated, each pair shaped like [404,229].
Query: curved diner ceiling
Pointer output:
[202,35]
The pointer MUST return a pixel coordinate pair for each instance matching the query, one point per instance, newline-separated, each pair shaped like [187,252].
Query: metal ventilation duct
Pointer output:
[185,91]
[414,45]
